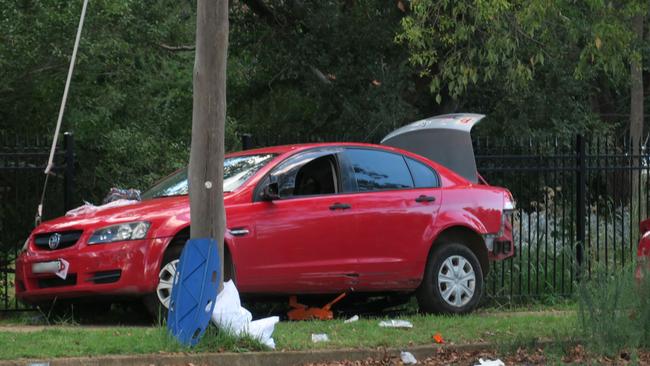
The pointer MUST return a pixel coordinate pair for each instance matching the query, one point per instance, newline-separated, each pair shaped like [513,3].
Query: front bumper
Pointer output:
[115,269]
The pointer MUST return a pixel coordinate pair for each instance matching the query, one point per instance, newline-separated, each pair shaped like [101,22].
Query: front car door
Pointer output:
[395,207]
[302,239]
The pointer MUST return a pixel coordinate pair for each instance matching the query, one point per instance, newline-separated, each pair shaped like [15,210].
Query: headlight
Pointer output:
[121,232]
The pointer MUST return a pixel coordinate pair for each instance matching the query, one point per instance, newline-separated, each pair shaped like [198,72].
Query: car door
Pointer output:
[302,240]
[395,207]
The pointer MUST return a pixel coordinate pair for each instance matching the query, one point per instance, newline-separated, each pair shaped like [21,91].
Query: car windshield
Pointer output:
[236,170]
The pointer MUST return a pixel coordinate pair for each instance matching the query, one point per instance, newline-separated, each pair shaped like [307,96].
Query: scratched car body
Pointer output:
[301,219]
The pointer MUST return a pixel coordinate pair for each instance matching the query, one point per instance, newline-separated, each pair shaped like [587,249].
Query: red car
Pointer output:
[643,252]
[301,219]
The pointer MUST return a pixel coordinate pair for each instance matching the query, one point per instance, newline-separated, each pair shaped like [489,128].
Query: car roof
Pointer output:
[283,149]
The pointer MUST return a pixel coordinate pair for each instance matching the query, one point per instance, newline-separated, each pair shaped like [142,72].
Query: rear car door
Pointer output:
[302,240]
[395,207]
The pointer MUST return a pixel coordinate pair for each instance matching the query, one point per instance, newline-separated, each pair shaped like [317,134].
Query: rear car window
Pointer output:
[377,170]
[423,176]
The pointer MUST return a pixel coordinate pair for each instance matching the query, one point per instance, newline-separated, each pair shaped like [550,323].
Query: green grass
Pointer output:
[497,328]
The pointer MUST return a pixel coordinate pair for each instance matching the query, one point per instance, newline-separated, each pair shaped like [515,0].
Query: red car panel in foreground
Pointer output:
[301,219]
[643,252]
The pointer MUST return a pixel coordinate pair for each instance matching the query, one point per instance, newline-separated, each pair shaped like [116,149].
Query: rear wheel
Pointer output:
[453,281]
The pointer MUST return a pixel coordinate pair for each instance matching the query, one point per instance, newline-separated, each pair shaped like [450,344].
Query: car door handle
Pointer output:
[424,198]
[340,206]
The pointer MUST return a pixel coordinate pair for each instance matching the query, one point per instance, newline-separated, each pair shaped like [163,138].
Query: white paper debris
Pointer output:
[228,314]
[352,319]
[319,338]
[88,208]
[396,324]
[497,362]
[408,358]
[63,270]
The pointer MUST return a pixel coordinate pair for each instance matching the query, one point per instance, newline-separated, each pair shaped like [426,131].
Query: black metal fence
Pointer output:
[22,163]
[579,204]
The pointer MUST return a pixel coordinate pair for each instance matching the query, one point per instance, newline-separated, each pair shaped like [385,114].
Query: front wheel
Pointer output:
[453,281]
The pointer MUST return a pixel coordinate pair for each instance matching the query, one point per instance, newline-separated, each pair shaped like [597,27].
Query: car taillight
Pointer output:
[508,208]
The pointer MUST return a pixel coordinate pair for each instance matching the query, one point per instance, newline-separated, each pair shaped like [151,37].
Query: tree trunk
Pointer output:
[636,114]
[208,123]
[636,88]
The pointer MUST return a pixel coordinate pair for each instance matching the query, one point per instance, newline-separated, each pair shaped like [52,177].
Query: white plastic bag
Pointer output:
[229,315]
[497,362]
[321,337]
[408,358]
[396,324]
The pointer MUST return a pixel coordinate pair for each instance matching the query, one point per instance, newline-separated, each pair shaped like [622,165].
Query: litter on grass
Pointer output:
[408,358]
[438,338]
[321,337]
[497,362]
[229,315]
[352,319]
[393,323]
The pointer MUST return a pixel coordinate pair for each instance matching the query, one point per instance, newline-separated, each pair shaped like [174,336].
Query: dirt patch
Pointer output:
[576,355]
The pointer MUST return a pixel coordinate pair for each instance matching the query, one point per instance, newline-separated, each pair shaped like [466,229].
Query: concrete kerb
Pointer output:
[274,358]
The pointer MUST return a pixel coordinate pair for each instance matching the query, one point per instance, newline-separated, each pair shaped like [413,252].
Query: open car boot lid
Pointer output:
[444,139]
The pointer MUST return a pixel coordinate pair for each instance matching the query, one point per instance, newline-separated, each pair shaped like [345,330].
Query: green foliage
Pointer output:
[614,311]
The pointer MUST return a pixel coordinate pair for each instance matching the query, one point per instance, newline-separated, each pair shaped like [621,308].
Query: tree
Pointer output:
[208,124]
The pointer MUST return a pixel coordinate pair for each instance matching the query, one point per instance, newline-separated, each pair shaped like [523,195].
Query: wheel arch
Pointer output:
[183,234]
[465,236]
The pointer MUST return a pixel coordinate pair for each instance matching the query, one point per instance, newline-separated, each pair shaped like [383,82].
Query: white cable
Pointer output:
[65,90]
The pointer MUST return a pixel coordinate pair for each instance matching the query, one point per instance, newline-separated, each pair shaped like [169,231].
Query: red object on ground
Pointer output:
[345,217]
[438,338]
[303,312]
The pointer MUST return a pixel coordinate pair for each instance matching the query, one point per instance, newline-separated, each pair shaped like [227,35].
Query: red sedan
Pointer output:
[301,219]
[643,252]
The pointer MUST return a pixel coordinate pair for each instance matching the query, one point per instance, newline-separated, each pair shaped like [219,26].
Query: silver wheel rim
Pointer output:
[165,283]
[456,281]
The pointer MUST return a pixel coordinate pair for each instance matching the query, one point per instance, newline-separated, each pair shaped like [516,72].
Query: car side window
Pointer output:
[308,174]
[423,176]
[377,170]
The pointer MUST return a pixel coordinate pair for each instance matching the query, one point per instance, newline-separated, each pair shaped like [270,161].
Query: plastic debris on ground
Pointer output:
[438,338]
[88,208]
[352,319]
[497,362]
[408,358]
[396,324]
[319,338]
[122,194]
[228,314]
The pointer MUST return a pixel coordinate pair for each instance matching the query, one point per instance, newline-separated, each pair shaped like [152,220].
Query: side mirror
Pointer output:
[270,192]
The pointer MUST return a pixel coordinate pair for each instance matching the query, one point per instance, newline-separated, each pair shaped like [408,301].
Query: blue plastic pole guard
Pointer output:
[194,291]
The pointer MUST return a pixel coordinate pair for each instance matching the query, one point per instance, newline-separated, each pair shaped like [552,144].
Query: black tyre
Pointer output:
[158,302]
[453,281]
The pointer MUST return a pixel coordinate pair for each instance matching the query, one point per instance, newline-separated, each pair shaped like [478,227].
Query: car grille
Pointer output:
[70,280]
[66,240]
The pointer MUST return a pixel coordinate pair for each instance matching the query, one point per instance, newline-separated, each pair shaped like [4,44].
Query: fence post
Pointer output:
[246,141]
[581,198]
[68,177]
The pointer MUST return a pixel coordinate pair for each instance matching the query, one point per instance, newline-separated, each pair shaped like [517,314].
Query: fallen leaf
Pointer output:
[401,6]
[376,82]
[599,43]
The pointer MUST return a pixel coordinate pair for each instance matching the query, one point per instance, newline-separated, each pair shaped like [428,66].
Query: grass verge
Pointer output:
[499,328]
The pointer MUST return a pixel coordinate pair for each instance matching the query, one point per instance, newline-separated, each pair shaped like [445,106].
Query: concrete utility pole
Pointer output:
[208,122]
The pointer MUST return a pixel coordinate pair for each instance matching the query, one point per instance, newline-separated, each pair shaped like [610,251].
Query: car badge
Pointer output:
[54,241]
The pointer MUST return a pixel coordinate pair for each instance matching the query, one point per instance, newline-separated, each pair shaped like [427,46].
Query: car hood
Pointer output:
[96,216]
[109,214]
[444,139]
